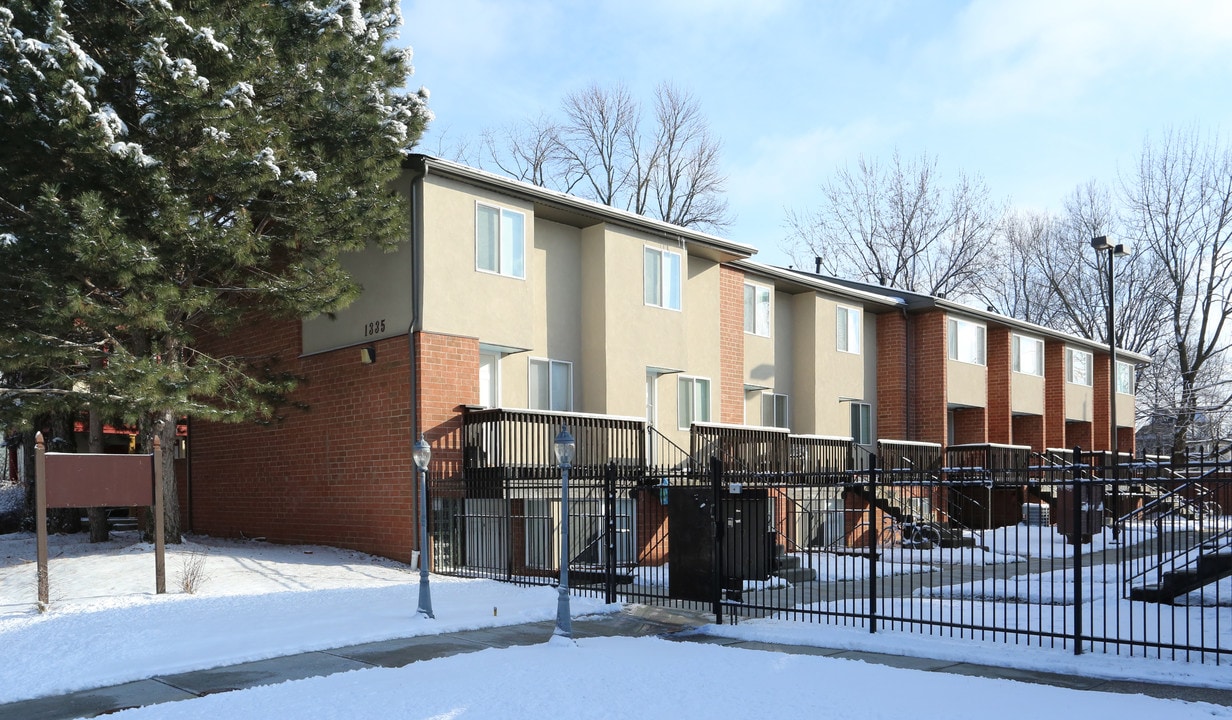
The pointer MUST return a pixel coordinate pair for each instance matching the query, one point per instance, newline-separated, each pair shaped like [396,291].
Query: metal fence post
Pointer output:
[716,478]
[872,543]
[1076,501]
[609,524]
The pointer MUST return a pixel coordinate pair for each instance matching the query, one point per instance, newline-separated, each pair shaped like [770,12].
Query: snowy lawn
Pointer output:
[106,626]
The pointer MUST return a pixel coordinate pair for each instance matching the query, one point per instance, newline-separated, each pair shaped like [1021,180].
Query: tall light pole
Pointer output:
[421,453]
[565,448]
[1103,244]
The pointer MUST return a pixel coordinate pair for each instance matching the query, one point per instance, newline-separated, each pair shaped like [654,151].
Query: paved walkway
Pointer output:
[637,621]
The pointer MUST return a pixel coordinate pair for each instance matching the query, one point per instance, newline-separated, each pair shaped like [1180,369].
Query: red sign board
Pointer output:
[85,480]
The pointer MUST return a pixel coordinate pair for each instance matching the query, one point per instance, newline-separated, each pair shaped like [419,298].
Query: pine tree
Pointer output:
[167,166]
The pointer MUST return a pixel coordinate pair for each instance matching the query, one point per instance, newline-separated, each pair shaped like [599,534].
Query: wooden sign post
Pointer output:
[84,480]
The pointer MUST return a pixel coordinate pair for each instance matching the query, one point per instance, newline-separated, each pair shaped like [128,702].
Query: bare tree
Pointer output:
[1179,208]
[602,150]
[899,226]
[528,151]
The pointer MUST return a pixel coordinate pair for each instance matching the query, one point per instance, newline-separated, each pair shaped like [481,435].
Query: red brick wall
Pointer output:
[1054,394]
[1029,430]
[731,345]
[930,350]
[1127,442]
[970,426]
[892,376]
[1101,434]
[1000,394]
[1078,433]
[448,374]
[337,472]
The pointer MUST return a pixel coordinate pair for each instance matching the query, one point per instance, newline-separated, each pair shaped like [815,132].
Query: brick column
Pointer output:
[930,350]
[731,345]
[1000,389]
[1054,394]
[892,361]
[1101,413]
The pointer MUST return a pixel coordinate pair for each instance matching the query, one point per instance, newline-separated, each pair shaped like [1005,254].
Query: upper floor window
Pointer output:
[757,310]
[692,401]
[966,341]
[774,411]
[500,241]
[550,385]
[862,423]
[661,278]
[1028,355]
[848,321]
[1077,367]
[1125,378]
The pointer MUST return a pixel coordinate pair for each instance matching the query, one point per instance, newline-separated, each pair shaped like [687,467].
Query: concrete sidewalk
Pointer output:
[637,621]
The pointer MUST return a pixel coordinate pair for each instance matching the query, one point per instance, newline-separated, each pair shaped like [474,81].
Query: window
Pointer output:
[661,278]
[757,310]
[500,241]
[1125,378]
[551,385]
[693,401]
[774,411]
[1077,367]
[966,341]
[862,423]
[1028,355]
[848,322]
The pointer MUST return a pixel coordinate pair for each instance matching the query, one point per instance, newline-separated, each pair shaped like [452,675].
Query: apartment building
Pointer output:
[509,297]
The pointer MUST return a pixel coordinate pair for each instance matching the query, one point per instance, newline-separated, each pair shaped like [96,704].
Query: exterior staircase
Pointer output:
[788,567]
[1212,562]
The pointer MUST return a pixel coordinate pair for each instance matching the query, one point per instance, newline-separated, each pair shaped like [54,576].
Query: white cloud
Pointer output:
[1045,55]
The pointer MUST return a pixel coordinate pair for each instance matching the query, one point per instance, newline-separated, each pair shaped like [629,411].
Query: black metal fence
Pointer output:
[1065,549]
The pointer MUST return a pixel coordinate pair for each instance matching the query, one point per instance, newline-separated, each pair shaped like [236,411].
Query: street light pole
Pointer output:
[564,447]
[421,453]
[1103,244]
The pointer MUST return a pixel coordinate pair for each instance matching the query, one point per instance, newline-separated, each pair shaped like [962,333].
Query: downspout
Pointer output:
[417,292]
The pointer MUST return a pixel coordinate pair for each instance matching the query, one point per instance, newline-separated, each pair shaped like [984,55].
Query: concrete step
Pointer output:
[797,575]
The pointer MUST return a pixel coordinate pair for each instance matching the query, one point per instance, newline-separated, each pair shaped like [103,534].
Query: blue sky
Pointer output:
[1037,97]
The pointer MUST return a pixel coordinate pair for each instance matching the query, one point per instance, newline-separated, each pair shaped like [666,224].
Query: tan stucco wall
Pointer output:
[1078,402]
[1125,410]
[383,308]
[804,363]
[966,383]
[1027,393]
[840,377]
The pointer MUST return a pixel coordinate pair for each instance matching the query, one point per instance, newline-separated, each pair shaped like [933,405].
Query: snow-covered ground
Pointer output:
[106,626]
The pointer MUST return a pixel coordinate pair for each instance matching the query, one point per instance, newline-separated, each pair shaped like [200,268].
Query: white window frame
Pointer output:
[1017,342]
[862,423]
[1070,377]
[509,254]
[758,322]
[695,401]
[849,321]
[960,335]
[772,405]
[552,365]
[1127,371]
[662,295]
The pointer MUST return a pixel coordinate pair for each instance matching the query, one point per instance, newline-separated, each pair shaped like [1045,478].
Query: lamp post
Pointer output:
[1103,244]
[421,453]
[565,448]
